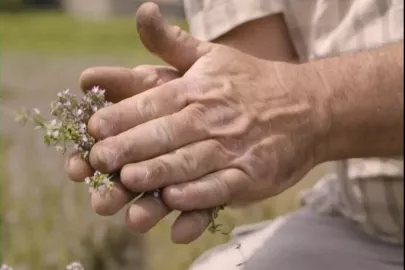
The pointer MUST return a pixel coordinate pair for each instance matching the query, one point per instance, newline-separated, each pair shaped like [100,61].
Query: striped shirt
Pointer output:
[369,192]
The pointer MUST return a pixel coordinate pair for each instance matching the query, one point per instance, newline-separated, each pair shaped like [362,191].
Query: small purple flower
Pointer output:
[101,189]
[87,180]
[77,147]
[106,181]
[156,193]
[95,89]
[82,128]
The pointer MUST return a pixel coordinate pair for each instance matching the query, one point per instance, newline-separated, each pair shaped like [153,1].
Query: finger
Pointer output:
[212,190]
[109,203]
[175,46]
[121,83]
[189,226]
[77,168]
[187,163]
[148,140]
[152,104]
[145,213]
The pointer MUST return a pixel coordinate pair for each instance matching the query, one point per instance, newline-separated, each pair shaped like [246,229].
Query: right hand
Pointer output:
[121,83]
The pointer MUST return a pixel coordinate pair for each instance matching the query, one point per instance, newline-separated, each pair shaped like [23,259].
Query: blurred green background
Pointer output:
[46,220]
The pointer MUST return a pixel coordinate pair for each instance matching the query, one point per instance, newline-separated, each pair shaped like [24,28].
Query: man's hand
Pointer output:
[231,130]
[121,83]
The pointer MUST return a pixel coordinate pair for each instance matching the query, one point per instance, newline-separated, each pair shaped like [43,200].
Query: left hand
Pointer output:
[233,129]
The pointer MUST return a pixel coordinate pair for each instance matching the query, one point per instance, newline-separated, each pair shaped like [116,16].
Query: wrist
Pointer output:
[319,95]
[304,83]
[330,111]
[322,93]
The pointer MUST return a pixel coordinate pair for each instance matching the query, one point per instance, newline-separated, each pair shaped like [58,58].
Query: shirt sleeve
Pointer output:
[209,19]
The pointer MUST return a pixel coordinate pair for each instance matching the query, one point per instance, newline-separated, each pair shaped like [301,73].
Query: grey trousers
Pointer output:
[303,240]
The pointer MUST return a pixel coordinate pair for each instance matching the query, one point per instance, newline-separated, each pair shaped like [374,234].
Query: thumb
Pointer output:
[173,45]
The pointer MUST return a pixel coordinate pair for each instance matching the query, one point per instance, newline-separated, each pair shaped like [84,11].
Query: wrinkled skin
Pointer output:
[222,128]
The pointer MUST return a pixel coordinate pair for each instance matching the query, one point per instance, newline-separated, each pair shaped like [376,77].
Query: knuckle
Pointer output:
[145,107]
[221,192]
[223,156]
[195,118]
[141,69]
[187,161]
[157,174]
[147,74]
[197,112]
[195,88]
[164,132]
[145,177]
[166,74]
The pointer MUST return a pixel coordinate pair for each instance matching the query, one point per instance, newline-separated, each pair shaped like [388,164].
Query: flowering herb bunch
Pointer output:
[69,127]
[72,266]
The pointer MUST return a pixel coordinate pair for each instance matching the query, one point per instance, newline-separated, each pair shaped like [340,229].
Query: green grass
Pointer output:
[57,33]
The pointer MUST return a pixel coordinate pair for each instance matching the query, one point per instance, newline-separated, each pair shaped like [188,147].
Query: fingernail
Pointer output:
[105,128]
[175,192]
[135,211]
[138,218]
[202,220]
[99,127]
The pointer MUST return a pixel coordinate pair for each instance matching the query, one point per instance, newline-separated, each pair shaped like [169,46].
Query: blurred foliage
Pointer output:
[48,222]
[11,5]
[60,34]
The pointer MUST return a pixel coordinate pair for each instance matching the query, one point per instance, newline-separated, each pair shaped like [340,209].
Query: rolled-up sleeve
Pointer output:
[209,19]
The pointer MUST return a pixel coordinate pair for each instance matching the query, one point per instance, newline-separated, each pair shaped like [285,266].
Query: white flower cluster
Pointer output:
[99,182]
[75,266]
[70,126]
[5,267]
